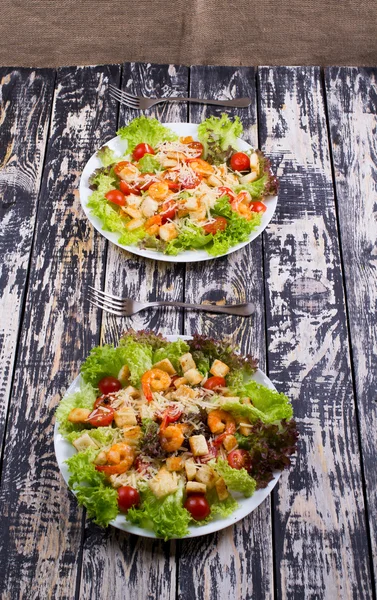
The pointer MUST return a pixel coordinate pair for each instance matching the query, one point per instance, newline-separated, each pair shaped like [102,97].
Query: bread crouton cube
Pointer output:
[174,463]
[219,369]
[187,362]
[163,483]
[124,374]
[132,392]
[84,442]
[229,442]
[132,435]
[149,207]
[221,489]
[198,445]
[193,376]
[194,487]
[190,468]
[134,224]
[180,381]
[186,391]
[132,211]
[78,415]
[165,365]
[207,476]
[101,458]
[168,232]
[125,416]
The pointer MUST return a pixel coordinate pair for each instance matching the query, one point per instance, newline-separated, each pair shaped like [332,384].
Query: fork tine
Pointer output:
[133,104]
[111,303]
[124,97]
[118,313]
[123,93]
[105,295]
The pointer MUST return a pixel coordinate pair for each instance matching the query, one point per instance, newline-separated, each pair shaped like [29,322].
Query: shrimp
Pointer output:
[171,438]
[220,421]
[119,459]
[154,380]
[158,191]
[240,204]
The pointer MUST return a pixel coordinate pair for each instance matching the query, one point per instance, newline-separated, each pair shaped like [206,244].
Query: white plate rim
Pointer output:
[117,144]
[64,450]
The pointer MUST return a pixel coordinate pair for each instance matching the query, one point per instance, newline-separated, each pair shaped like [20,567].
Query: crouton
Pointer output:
[219,369]
[221,489]
[229,443]
[132,211]
[124,374]
[163,483]
[132,435]
[148,207]
[174,463]
[207,476]
[194,487]
[125,417]
[101,458]
[198,445]
[190,468]
[168,232]
[180,381]
[214,181]
[187,362]
[84,442]
[165,365]
[134,224]
[132,392]
[193,376]
[79,415]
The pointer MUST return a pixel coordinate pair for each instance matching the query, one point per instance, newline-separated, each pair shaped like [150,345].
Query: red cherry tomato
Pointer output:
[214,382]
[120,165]
[128,189]
[240,162]
[109,385]
[198,507]
[116,197]
[170,415]
[140,150]
[148,182]
[258,207]
[189,182]
[219,224]
[198,147]
[127,497]
[168,210]
[239,459]
[102,401]
[102,416]
[225,191]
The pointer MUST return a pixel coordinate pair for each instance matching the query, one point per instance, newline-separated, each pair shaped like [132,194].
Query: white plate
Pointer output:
[65,450]
[120,146]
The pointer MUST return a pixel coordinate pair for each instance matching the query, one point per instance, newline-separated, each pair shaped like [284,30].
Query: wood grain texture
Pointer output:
[236,562]
[352,111]
[25,101]
[138,567]
[321,545]
[40,520]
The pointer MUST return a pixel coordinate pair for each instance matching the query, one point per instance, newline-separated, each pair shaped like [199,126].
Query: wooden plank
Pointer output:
[320,531]
[236,562]
[40,519]
[25,102]
[143,568]
[352,111]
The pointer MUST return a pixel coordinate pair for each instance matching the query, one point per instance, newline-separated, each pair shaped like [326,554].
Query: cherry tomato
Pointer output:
[170,415]
[258,207]
[198,147]
[148,182]
[127,497]
[102,416]
[120,165]
[140,150]
[198,507]
[225,191]
[109,385]
[239,459]
[116,197]
[168,210]
[219,224]
[102,401]
[128,189]
[189,182]
[214,382]
[240,162]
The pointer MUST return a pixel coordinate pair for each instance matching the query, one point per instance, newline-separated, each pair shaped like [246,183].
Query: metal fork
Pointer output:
[139,102]
[125,307]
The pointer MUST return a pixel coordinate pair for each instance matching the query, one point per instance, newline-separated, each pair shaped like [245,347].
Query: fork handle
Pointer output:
[238,102]
[242,310]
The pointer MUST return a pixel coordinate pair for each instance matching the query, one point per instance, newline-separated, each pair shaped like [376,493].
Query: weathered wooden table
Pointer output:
[312,276]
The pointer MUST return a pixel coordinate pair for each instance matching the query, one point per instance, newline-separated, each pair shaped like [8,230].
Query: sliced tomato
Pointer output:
[198,147]
[225,191]
[128,189]
[189,182]
[219,224]
[103,400]
[102,416]
[116,197]
[140,150]
[146,184]
[258,207]
[170,415]
[168,210]
[239,459]
[214,382]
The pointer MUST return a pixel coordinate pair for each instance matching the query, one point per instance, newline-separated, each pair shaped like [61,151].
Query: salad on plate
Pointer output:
[174,193]
[169,436]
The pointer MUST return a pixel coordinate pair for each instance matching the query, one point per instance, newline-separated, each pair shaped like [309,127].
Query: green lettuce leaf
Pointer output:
[267,405]
[219,508]
[236,479]
[107,156]
[89,485]
[107,360]
[149,164]
[165,516]
[84,398]
[172,351]
[191,236]
[105,436]
[138,357]
[111,218]
[145,130]
[219,137]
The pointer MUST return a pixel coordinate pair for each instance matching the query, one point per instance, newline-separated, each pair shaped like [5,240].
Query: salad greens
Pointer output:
[209,431]
[145,130]
[219,137]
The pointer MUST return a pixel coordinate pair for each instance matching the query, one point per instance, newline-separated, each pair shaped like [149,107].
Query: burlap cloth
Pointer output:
[240,32]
